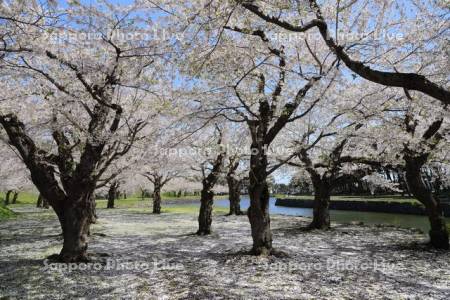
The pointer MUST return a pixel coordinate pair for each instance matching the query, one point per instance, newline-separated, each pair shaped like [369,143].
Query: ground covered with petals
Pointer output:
[145,256]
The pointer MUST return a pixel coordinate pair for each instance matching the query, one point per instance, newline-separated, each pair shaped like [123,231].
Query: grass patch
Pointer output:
[190,209]
[23,198]
[385,198]
[139,206]
[137,202]
[216,197]
[125,203]
[6,213]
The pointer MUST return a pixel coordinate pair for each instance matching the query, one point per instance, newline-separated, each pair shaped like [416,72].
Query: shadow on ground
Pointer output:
[157,257]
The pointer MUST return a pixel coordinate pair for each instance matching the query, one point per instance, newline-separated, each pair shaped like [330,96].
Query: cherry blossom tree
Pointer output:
[14,176]
[247,76]
[372,32]
[210,154]
[408,135]
[91,88]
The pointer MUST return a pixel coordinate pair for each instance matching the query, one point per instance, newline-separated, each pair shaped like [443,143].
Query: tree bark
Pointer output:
[258,212]
[45,203]
[259,217]
[75,216]
[207,195]
[112,194]
[234,192]
[42,202]
[157,197]
[205,216]
[39,202]
[439,237]
[15,196]
[321,212]
[8,197]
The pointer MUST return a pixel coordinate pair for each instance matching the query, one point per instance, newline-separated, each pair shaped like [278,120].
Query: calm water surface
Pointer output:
[342,216]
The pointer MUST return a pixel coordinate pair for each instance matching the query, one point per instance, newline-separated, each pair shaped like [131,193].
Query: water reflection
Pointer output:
[343,216]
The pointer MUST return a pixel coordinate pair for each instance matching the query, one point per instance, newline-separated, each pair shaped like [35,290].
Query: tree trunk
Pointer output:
[205,216]
[258,212]
[258,215]
[15,196]
[45,203]
[207,195]
[439,237]
[8,197]
[321,212]
[111,198]
[112,194]
[75,217]
[40,202]
[157,198]
[234,192]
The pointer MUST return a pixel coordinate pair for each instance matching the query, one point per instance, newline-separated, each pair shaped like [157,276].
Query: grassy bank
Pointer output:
[386,198]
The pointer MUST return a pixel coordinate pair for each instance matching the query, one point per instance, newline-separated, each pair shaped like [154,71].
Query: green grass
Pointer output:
[165,197]
[125,203]
[387,198]
[23,198]
[6,213]
[137,204]
[190,209]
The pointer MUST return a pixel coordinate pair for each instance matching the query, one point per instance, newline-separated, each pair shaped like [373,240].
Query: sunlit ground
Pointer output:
[156,256]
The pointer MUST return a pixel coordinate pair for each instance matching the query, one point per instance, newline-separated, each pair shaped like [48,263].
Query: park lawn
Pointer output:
[23,198]
[190,209]
[137,204]
[130,202]
[386,198]
[165,197]
[26,198]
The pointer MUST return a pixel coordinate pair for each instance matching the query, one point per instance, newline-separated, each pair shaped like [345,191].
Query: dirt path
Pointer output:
[155,257]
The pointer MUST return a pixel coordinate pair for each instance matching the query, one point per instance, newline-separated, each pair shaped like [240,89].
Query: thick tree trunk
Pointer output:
[439,237]
[75,217]
[258,212]
[259,217]
[321,212]
[157,198]
[205,216]
[45,203]
[40,202]
[234,192]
